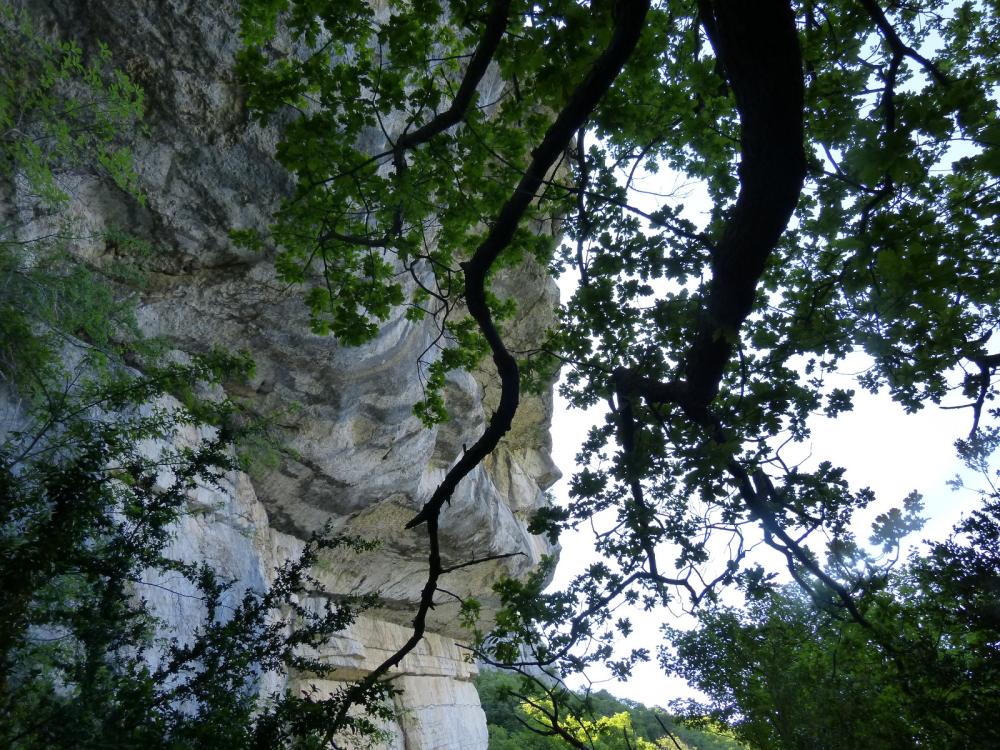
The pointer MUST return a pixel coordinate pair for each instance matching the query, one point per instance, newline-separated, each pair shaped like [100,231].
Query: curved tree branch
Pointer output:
[629,20]
[496,25]
[758,47]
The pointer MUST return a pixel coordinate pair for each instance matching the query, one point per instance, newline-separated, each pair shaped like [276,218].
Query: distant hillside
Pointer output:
[513,725]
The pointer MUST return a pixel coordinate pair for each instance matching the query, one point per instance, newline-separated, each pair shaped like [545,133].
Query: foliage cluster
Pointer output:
[391,197]
[601,719]
[86,521]
[59,111]
[786,675]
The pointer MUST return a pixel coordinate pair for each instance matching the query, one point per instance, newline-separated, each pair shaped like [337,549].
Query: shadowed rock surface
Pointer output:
[355,454]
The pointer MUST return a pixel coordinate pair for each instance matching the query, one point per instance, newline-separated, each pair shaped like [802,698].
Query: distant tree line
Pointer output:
[516,711]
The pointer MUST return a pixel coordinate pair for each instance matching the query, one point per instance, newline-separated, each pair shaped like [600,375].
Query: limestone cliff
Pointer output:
[355,454]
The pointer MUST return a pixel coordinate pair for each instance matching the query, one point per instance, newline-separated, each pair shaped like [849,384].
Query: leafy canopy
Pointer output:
[849,153]
[848,150]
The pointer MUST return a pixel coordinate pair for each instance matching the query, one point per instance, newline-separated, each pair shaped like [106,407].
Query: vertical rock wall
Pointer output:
[357,457]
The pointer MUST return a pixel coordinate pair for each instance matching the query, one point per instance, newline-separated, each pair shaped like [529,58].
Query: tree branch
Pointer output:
[630,17]
[898,47]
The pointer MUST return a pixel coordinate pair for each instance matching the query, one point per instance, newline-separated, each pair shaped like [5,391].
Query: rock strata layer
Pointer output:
[356,456]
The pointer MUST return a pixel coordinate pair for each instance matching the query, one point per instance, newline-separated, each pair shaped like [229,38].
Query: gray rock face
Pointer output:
[357,457]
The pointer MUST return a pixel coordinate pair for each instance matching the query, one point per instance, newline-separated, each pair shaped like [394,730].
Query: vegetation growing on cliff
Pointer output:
[102,445]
